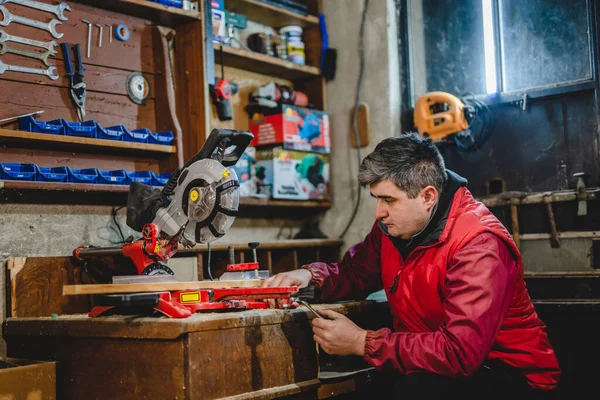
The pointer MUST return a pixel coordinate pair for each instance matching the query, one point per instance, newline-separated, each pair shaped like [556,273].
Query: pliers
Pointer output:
[75,75]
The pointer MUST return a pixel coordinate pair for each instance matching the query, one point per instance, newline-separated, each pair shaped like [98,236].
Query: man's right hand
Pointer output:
[299,277]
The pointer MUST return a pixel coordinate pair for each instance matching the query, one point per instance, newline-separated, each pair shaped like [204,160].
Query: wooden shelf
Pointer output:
[79,187]
[267,14]
[277,245]
[264,202]
[87,144]
[159,13]
[264,64]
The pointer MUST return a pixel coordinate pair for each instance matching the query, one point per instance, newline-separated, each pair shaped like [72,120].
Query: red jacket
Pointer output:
[455,303]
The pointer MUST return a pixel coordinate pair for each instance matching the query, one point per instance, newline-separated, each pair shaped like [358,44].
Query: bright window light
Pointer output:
[489,47]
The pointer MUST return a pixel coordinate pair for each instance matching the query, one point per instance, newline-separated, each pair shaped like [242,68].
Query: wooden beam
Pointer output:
[71,290]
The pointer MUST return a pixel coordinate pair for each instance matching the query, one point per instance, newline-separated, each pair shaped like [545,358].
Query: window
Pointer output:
[497,46]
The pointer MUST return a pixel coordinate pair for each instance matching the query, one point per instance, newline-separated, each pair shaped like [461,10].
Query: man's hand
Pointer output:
[337,335]
[299,277]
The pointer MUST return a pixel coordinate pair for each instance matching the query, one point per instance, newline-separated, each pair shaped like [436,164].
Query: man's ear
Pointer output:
[430,196]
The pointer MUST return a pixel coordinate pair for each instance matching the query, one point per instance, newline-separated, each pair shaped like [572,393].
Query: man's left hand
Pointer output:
[337,335]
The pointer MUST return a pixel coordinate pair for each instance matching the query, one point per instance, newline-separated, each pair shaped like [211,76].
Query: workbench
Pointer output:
[260,354]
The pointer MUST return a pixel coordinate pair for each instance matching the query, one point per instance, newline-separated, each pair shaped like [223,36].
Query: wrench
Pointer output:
[43,57]
[50,72]
[5,37]
[58,9]
[7,18]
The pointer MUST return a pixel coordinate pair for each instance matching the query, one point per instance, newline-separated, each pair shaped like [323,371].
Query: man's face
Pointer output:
[403,216]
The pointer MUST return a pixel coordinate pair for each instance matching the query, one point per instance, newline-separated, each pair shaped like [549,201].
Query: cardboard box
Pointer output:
[218,20]
[294,128]
[27,379]
[292,175]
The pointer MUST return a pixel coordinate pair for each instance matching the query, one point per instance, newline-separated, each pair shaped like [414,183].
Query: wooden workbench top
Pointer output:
[80,325]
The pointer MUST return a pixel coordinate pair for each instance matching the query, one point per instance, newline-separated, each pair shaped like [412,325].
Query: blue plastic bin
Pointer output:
[165,138]
[138,135]
[87,175]
[18,171]
[80,129]
[108,133]
[160,179]
[115,177]
[141,177]
[55,174]
[31,125]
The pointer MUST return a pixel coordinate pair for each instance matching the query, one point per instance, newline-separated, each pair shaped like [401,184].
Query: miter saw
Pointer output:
[441,116]
[198,204]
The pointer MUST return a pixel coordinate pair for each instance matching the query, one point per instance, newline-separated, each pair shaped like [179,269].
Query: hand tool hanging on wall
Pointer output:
[138,88]
[7,18]
[89,37]
[100,34]
[221,92]
[58,9]
[50,46]
[50,72]
[75,75]
[43,57]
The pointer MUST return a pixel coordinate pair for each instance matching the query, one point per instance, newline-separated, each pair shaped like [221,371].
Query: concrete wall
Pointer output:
[380,92]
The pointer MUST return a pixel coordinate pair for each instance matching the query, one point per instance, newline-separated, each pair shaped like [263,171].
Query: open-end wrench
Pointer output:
[57,10]
[7,18]
[5,37]
[43,57]
[50,72]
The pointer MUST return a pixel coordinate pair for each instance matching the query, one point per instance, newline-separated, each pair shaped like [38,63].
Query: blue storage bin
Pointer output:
[165,138]
[141,177]
[87,175]
[160,179]
[116,177]
[172,3]
[108,133]
[31,125]
[80,129]
[18,171]
[138,135]
[55,174]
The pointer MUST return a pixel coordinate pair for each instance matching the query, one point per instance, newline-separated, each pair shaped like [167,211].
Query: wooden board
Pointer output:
[71,290]
[97,145]
[269,15]
[35,287]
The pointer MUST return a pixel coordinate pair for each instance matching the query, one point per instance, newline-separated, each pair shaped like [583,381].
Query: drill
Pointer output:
[221,92]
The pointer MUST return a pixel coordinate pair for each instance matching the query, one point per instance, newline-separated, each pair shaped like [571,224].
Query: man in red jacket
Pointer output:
[463,321]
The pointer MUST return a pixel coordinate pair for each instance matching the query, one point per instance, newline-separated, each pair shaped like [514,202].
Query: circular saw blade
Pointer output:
[138,88]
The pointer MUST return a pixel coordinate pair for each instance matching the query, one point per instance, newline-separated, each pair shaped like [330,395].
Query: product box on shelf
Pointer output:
[294,128]
[292,175]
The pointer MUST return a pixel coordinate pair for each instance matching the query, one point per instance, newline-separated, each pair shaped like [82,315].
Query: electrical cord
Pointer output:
[480,125]
[114,218]
[355,113]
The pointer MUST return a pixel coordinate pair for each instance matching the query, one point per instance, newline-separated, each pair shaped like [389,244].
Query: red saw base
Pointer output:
[183,303]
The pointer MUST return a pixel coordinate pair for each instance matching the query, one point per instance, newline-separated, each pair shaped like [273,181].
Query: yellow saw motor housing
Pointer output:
[439,114]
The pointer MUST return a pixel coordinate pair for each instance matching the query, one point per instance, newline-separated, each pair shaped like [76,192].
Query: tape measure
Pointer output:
[138,88]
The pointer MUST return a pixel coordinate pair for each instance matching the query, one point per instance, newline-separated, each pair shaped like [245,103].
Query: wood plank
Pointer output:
[192,90]
[51,158]
[73,187]
[135,54]
[97,145]
[35,284]
[255,201]
[73,290]
[280,244]
[522,198]
[267,356]
[162,14]
[97,78]
[562,235]
[265,64]
[269,15]
[107,109]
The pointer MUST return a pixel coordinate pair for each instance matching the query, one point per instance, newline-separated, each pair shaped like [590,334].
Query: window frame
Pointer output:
[501,97]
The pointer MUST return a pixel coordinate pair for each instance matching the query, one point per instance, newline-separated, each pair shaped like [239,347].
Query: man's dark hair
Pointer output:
[410,161]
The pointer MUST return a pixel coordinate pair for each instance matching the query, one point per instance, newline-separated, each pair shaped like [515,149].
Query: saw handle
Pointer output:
[223,139]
